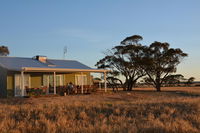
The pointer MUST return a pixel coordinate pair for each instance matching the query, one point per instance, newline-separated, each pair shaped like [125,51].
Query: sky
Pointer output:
[89,27]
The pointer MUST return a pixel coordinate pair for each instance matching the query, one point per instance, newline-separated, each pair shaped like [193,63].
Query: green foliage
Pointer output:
[35,92]
[172,80]
[122,60]
[4,51]
[132,40]
[190,80]
[134,60]
[159,61]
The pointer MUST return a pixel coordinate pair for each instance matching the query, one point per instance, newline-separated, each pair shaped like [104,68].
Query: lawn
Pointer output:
[174,110]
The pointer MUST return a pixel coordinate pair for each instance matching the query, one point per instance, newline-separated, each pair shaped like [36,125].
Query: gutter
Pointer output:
[36,69]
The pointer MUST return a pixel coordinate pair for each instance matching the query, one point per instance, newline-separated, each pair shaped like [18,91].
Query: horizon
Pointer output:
[32,28]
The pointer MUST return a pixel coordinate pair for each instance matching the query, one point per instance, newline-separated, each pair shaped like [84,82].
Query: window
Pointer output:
[48,80]
[81,79]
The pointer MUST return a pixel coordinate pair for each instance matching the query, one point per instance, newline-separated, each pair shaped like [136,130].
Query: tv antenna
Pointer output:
[64,52]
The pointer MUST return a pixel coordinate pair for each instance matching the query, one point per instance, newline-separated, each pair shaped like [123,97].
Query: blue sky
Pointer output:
[89,27]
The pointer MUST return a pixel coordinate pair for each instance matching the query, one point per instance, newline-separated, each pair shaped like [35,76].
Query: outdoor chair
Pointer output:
[78,89]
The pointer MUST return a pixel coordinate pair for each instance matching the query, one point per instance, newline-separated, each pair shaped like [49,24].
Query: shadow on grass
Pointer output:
[184,94]
[172,93]
[15,101]
[125,96]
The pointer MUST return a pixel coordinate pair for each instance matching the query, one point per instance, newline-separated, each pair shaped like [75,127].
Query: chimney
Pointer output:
[41,58]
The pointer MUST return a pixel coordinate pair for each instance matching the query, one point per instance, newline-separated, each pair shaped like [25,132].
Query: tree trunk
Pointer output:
[158,82]
[130,84]
[131,87]
[158,87]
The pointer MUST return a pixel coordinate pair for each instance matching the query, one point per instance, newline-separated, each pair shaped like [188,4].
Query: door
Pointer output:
[48,80]
[51,84]
[18,90]
[59,80]
[18,84]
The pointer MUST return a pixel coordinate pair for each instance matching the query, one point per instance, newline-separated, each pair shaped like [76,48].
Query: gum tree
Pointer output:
[122,60]
[159,61]
[4,51]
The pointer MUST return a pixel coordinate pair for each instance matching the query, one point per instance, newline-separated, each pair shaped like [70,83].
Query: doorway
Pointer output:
[18,83]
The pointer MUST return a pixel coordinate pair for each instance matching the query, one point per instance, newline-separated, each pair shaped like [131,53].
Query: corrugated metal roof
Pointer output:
[16,63]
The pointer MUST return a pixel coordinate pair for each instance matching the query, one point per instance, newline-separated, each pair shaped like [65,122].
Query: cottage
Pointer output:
[17,74]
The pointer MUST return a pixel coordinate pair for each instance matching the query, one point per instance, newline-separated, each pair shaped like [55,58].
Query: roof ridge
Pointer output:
[60,59]
[14,57]
[32,58]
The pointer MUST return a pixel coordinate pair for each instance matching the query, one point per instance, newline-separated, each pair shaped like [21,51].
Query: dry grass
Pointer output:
[175,110]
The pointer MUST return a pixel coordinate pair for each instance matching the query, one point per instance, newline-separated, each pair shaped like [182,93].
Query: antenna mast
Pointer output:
[64,52]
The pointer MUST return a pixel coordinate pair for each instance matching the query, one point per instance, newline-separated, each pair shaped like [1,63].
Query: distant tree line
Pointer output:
[131,59]
[173,80]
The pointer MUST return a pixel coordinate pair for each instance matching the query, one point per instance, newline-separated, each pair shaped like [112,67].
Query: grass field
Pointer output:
[174,110]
